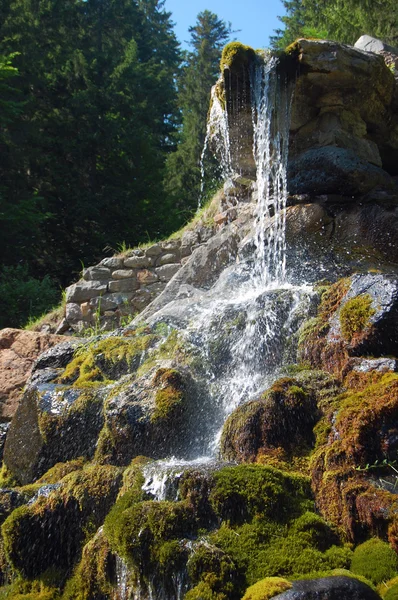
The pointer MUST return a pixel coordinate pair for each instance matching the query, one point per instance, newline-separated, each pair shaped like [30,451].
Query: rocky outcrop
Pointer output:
[18,352]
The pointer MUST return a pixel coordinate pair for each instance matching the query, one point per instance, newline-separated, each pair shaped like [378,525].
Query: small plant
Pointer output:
[355,315]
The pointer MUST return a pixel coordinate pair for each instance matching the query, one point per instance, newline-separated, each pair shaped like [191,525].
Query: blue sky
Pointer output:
[257,19]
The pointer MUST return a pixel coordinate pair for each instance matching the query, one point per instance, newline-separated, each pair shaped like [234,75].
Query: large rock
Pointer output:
[332,170]
[18,352]
[329,588]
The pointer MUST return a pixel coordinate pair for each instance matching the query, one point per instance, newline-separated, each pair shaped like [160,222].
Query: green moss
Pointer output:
[74,511]
[240,493]
[235,55]
[169,399]
[106,359]
[267,588]
[137,531]
[392,592]
[60,470]
[375,560]
[29,590]
[7,480]
[204,591]
[91,578]
[355,316]
[172,348]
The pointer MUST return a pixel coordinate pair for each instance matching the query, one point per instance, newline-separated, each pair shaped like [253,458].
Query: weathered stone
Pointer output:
[379,334]
[110,301]
[57,357]
[18,353]
[172,245]
[331,170]
[63,328]
[166,272]
[371,44]
[166,259]
[329,588]
[85,308]
[138,262]
[221,218]
[123,274]
[189,238]
[367,365]
[97,273]
[85,290]
[113,262]
[154,250]
[124,285]
[3,434]
[145,277]
[73,312]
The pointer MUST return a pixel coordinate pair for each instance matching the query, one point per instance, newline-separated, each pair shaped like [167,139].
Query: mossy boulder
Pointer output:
[375,560]
[284,417]
[52,424]
[56,526]
[359,446]
[356,316]
[267,588]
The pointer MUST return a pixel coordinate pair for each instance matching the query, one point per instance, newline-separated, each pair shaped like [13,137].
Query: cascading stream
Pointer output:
[241,326]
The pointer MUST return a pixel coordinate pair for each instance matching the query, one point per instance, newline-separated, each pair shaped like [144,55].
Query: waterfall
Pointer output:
[240,330]
[218,133]
[271,103]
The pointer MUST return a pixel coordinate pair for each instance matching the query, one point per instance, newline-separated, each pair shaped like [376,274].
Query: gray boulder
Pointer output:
[329,588]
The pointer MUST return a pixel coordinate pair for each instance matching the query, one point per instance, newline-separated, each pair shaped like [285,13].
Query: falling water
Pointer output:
[241,329]
[218,133]
[271,103]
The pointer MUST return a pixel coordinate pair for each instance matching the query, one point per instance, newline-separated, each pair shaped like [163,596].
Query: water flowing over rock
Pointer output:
[267,336]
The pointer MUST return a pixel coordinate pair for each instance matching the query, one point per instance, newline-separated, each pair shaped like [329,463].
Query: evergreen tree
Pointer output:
[199,73]
[341,20]
[98,82]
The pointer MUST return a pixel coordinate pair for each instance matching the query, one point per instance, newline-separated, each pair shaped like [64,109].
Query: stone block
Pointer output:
[221,218]
[145,277]
[85,308]
[166,272]
[73,312]
[154,250]
[97,273]
[113,262]
[110,302]
[123,274]
[167,259]
[124,285]
[137,262]
[85,290]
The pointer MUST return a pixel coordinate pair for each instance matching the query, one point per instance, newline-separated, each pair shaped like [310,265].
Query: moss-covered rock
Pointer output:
[236,55]
[375,560]
[56,526]
[283,417]
[267,588]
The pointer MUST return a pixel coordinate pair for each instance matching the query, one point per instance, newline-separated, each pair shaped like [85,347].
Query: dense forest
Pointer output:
[102,124]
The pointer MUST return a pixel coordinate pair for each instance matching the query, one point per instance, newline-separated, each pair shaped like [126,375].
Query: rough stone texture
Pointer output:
[333,170]
[96,273]
[380,337]
[329,588]
[85,290]
[166,272]
[123,285]
[367,365]
[138,262]
[18,352]
[122,274]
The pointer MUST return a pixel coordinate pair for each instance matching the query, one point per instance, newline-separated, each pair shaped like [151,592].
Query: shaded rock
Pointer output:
[381,365]
[113,262]
[283,417]
[78,505]
[371,329]
[167,271]
[3,434]
[331,170]
[51,425]
[57,357]
[329,588]
[85,290]
[124,285]
[18,352]
[97,273]
[137,262]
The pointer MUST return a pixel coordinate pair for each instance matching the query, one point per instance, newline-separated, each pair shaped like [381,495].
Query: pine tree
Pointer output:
[199,73]
[98,82]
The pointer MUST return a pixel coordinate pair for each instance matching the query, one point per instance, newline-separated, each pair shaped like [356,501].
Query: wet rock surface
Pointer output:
[329,588]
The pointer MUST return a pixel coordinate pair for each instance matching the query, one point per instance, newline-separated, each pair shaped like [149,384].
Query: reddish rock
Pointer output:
[18,352]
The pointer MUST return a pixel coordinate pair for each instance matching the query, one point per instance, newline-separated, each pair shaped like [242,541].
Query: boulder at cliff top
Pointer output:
[18,352]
